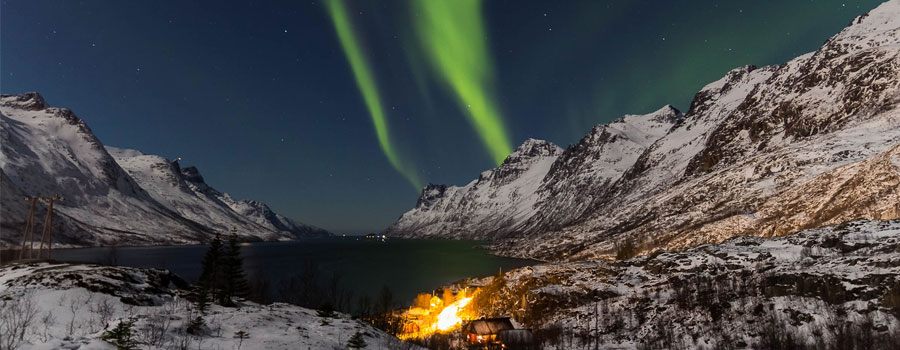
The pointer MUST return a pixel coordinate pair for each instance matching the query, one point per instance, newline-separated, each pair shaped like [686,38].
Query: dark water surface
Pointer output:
[406,266]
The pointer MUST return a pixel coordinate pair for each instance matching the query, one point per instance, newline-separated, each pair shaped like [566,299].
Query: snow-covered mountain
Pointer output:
[111,195]
[499,200]
[762,151]
[503,200]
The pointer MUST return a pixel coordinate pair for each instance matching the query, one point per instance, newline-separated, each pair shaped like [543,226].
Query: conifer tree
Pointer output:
[202,299]
[234,281]
[209,276]
[121,336]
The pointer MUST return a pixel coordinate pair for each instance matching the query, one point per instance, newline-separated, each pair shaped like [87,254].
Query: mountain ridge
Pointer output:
[754,133]
[112,195]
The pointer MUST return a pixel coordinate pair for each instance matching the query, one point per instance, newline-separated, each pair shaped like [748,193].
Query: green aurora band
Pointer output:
[367,87]
[453,36]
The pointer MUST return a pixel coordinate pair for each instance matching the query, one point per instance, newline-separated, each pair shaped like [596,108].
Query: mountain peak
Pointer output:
[535,148]
[192,174]
[665,114]
[30,101]
[879,27]
[430,193]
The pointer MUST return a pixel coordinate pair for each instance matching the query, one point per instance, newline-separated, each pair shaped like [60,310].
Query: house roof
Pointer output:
[488,326]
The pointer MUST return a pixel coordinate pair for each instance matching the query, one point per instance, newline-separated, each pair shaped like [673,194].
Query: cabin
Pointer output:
[496,333]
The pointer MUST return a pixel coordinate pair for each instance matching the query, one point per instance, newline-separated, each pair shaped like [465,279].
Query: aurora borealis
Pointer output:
[453,36]
[335,112]
[368,88]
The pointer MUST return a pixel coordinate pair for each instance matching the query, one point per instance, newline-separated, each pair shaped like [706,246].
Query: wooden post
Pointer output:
[50,229]
[47,232]
[29,228]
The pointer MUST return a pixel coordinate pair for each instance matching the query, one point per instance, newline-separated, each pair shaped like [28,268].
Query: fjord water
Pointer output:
[406,266]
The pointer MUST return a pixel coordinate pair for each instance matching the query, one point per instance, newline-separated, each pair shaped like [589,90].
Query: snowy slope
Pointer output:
[75,304]
[47,151]
[587,170]
[111,196]
[817,286]
[260,213]
[498,201]
[537,180]
[763,151]
[184,191]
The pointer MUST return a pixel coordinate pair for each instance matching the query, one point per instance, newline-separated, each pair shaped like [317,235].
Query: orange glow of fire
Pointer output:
[449,317]
[437,315]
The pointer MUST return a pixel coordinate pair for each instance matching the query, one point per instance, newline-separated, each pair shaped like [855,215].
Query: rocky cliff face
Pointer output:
[111,195]
[762,151]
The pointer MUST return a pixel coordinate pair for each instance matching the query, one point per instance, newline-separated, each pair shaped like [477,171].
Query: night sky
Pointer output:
[334,113]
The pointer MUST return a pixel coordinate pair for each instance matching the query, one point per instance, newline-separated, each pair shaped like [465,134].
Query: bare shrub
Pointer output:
[75,304]
[104,310]
[156,327]
[48,320]
[215,326]
[16,317]
[183,339]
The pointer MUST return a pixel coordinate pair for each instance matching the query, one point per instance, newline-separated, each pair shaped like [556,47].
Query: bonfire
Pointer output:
[437,315]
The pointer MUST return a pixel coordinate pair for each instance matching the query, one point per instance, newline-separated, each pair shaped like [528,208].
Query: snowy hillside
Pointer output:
[71,306]
[111,196]
[501,200]
[498,201]
[184,191]
[833,287]
[762,151]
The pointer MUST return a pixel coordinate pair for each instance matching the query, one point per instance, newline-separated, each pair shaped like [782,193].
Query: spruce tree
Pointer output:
[234,281]
[202,299]
[121,336]
[209,276]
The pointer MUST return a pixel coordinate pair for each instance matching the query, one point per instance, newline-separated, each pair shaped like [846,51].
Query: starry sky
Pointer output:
[336,112]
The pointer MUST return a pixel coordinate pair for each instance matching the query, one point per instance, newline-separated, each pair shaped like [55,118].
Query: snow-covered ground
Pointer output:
[817,286]
[71,306]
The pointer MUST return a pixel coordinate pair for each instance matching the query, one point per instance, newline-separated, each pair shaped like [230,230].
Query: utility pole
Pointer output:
[46,232]
[29,229]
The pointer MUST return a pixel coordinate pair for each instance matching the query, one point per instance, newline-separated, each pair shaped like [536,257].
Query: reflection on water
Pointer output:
[406,266]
